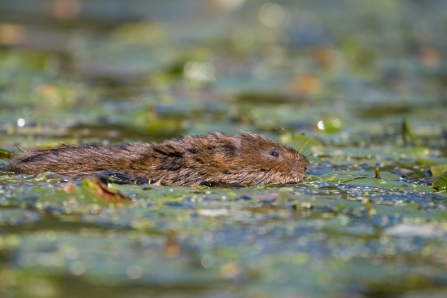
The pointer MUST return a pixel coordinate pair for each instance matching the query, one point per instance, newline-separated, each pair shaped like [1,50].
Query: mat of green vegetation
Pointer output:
[365,82]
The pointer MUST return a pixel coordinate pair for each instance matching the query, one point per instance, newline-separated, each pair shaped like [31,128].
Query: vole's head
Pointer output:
[250,159]
[270,162]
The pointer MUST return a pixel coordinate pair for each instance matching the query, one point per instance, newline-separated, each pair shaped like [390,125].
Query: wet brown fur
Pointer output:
[215,158]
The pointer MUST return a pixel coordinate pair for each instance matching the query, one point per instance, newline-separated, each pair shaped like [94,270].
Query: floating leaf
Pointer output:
[437,170]
[375,153]
[390,184]
[440,183]
[335,177]
[428,162]
[102,191]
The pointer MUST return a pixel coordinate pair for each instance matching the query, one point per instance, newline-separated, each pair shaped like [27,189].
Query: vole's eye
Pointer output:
[274,153]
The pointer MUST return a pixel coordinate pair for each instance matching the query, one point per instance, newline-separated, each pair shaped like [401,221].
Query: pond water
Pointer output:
[359,87]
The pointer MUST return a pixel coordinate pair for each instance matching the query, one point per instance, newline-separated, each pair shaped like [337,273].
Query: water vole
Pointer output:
[211,159]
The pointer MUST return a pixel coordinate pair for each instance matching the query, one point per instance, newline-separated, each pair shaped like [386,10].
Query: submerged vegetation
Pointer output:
[359,88]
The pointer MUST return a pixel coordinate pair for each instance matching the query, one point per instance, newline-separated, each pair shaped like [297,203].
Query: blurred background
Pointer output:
[111,70]
[365,81]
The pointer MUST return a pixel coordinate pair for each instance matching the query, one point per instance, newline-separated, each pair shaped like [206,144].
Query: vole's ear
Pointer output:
[225,149]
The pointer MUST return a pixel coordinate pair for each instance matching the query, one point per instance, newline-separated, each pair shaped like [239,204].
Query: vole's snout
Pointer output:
[296,169]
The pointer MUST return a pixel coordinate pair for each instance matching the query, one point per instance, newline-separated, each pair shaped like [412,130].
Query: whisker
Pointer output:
[301,147]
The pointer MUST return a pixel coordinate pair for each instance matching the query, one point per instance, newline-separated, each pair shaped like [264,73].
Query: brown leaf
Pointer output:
[102,191]
[68,187]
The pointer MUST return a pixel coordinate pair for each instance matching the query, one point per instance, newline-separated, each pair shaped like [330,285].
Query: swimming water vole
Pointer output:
[211,159]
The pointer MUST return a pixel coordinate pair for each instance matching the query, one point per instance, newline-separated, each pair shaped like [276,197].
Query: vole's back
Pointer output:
[79,160]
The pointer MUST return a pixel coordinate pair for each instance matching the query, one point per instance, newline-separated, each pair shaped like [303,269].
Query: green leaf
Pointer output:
[437,170]
[4,153]
[440,183]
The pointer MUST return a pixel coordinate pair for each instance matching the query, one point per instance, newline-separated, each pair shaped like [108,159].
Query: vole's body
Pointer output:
[215,158]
